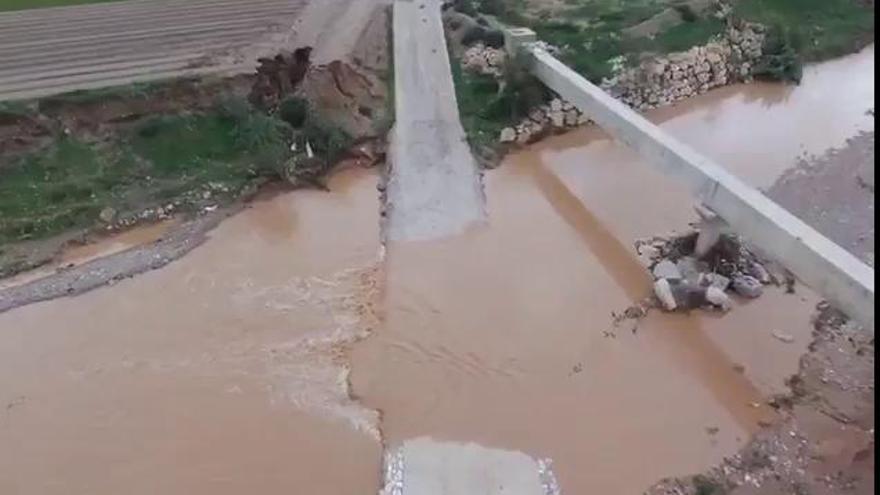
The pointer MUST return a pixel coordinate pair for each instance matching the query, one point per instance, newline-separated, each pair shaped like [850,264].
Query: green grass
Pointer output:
[589,31]
[822,29]
[473,92]
[61,187]
[6,5]
[67,184]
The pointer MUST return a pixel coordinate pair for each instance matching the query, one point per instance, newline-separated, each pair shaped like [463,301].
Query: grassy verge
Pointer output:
[186,159]
[67,184]
[818,29]
[592,33]
[6,5]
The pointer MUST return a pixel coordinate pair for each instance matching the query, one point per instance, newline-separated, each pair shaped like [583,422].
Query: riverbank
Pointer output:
[648,55]
[78,166]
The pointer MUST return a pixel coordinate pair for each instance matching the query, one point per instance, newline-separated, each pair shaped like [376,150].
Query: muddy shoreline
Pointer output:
[823,441]
[69,282]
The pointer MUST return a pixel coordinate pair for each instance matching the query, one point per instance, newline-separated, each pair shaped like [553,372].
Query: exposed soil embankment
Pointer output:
[80,164]
[824,439]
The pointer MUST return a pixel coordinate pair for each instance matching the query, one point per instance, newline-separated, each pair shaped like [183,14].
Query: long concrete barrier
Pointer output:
[817,261]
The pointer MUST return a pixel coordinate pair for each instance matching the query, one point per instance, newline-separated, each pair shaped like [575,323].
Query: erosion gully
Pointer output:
[291,347]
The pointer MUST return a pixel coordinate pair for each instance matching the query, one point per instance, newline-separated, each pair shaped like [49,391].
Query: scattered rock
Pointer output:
[666,270]
[508,135]
[690,269]
[758,271]
[107,215]
[715,280]
[663,291]
[718,297]
[688,296]
[783,337]
[748,286]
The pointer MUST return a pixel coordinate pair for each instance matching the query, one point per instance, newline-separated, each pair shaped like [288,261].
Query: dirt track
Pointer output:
[54,50]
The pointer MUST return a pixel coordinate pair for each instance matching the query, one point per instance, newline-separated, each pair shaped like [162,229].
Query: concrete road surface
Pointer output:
[434,188]
[426,467]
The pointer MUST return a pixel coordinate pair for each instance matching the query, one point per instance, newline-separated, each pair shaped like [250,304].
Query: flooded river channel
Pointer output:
[286,352]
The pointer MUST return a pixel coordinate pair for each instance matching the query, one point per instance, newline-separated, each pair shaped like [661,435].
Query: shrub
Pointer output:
[781,58]
[686,12]
[473,35]
[294,110]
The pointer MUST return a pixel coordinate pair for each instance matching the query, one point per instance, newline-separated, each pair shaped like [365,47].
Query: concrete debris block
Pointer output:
[748,286]
[423,466]
[648,254]
[758,271]
[715,280]
[717,297]
[690,269]
[508,135]
[556,105]
[782,337]
[557,118]
[663,291]
[709,235]
[666,270]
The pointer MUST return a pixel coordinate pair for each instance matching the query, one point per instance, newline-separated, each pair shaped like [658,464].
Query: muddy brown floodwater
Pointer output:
[504,336]
[222,373]
[233,369]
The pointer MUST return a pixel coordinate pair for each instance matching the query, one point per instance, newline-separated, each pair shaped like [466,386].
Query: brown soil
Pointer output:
[824,439]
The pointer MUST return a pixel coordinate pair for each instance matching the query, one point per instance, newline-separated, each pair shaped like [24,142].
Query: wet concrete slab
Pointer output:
[423,466]
[433,186]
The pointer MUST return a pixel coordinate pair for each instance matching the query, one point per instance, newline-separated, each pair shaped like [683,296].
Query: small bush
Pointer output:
[294,110]
[781,60]
[477,34]
[494,39]
[473,35]
[686,12]
[326,140]
[520,93]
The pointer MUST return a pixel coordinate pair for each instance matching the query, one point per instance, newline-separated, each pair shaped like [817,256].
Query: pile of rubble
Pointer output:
[484,60]
[663,80]
[685,280]
[556,116]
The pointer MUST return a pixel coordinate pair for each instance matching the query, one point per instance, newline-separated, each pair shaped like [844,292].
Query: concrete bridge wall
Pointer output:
[817,261]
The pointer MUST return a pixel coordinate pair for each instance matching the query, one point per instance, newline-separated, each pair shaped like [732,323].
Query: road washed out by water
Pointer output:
[286,352]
